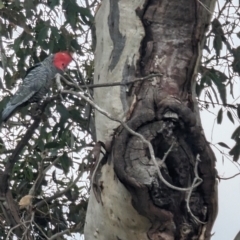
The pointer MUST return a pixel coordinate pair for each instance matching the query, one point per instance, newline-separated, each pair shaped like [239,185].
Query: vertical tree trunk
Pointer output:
[128,199]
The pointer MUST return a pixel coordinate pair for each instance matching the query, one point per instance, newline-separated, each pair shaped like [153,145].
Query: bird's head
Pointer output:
[62,59]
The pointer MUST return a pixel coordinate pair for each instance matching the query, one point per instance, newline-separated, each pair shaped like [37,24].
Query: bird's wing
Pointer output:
[32,83]
[31,68]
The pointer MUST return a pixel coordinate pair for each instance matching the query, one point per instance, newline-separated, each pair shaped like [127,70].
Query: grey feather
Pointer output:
[34,87]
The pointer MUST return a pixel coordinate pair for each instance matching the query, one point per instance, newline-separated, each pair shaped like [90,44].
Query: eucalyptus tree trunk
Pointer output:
[130,198]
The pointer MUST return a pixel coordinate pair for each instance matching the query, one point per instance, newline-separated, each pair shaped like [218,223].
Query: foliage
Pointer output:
[58,151]
[220,68]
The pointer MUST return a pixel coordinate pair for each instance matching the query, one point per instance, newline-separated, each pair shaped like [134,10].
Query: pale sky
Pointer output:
[228,220]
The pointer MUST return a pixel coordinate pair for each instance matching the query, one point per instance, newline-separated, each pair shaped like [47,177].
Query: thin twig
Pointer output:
[98,85]
[227,178]
[197,178]
[166,153]
[204,6]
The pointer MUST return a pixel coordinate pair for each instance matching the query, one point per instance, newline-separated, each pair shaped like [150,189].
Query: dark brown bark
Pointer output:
[165,112]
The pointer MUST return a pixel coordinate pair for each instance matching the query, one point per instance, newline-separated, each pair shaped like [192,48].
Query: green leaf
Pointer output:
[63,111]
[75,115]
[236,134]
[29,7]
[210,96]
[17,43]
[219,35]
[76,46]
[235,151]
[66,162]
[54,178]
[40,144]
[217,44]
[236,60]
[199,89]
[2,146]
[55,129]
[24,111]
[86,15]
[61,43]
[223,94]
[52,145]
[28,173]
[71,12]
[215,94]
[220,116]
[55,33]
[221,77]
[217,27]
[218,78]
[238,110]
[229,114]
[43,34]
[53,3]
[35,159]
[61,129]
[222,144]
[206,80]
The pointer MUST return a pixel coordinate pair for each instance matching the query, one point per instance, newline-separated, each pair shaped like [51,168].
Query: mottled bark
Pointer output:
[163,111]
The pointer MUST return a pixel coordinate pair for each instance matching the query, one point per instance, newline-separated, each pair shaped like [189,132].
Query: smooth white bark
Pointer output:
[131,27]
[112,219]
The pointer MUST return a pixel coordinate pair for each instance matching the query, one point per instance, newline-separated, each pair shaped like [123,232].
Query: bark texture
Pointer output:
[164,111]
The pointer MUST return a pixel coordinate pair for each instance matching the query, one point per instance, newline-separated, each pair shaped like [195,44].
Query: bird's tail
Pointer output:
[7,112]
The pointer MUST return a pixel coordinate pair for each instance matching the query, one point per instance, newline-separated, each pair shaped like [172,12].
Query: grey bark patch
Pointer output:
[117,38]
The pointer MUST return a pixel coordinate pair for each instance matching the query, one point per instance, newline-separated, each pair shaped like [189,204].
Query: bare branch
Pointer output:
[41,230]
[227,178]
[98,85]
